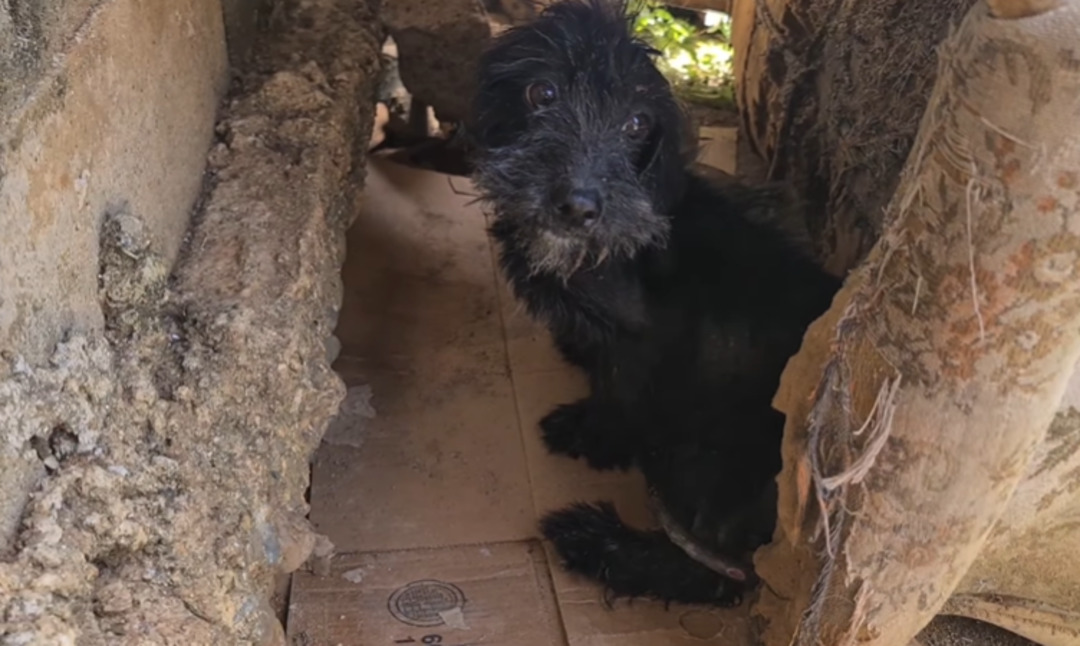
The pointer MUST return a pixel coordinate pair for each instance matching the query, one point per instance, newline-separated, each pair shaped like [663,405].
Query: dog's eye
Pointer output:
[540,94]
[637,126]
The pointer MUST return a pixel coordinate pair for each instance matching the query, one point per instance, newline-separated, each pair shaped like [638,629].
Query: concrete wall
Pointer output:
[107,104]
[104,104]
[169,451]
[30,34]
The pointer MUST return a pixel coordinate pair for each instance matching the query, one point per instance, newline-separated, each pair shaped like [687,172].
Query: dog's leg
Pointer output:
[592,430]
[725,497]
[605,428]
[746,527]
[593,541]
[577,354]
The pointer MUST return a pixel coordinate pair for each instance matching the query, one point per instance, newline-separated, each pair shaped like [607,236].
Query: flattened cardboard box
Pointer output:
[439,460]
[497,594]
[717,147]
[432,481]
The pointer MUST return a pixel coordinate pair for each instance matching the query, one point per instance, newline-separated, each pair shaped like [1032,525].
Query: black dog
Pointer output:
[681,300]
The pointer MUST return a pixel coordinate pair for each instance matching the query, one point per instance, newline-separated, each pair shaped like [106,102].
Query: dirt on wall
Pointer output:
[243,20]
[176,443]
[31,33]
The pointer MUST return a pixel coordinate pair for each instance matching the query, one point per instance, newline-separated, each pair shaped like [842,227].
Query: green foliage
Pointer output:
[697,61]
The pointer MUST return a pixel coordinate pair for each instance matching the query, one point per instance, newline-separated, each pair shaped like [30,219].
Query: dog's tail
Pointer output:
[593,541]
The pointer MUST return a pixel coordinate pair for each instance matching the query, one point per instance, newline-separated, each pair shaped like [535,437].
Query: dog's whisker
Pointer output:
[604,251]
[457,191]
[580,260]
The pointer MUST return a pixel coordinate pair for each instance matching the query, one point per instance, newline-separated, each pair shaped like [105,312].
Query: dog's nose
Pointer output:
[582,205]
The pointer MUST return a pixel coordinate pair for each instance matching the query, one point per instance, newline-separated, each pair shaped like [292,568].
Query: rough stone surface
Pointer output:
[176,437]
[438,47]
[106,106]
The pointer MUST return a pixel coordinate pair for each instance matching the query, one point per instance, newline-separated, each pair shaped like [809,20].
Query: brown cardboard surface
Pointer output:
[498,595]
[441,462]
[420,223]
[718,147]
[419,276]
[435,468]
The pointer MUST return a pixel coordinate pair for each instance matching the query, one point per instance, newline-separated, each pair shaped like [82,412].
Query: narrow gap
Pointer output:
[408,215]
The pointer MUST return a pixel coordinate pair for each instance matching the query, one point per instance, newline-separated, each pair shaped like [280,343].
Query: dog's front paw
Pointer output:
[563,429]
[575,430]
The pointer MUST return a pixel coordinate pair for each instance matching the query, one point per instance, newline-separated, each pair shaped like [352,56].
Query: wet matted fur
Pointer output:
[681,300]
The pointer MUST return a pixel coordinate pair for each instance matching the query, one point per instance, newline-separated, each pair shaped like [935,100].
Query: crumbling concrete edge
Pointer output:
[263,285]
[177,442]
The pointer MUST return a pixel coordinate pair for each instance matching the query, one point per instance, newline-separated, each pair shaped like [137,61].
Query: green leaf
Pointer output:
[698,62]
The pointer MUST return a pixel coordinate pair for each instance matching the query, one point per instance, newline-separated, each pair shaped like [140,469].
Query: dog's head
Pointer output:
[580,142]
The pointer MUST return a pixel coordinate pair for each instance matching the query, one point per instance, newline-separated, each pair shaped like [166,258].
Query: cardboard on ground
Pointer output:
[431,480]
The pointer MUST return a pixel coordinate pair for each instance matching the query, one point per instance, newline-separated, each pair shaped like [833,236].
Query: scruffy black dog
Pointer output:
[681,300]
